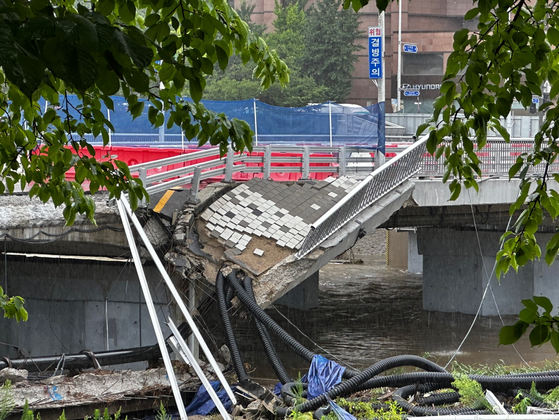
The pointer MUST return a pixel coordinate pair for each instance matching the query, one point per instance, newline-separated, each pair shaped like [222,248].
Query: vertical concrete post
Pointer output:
[306,162]
[342,163]
[267,164]
[195,184]
[229,164]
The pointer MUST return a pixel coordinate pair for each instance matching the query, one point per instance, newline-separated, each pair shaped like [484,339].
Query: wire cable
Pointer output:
[322,349]
[486,288]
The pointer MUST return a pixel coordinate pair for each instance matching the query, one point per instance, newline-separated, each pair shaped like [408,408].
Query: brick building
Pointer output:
[430,24]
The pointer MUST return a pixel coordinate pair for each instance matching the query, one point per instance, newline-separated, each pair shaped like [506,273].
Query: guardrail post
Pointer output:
[379,159]
[143,178]
[267,164]
[342,161]
[229,164]
[306,162]
[195,186]
[162,133]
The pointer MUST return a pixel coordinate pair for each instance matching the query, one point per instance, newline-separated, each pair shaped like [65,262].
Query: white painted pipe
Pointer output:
[179,300]
[188,357]
[151,310]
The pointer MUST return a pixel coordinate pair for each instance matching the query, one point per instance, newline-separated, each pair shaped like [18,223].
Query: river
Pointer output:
[368,312]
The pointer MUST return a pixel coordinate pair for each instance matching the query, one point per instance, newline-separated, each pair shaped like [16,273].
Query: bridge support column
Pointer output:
[304,296]
[402,250]
[456,269]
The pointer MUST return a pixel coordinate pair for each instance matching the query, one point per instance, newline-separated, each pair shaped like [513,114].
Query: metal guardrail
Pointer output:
[191,168]
[383,180]
[496,158]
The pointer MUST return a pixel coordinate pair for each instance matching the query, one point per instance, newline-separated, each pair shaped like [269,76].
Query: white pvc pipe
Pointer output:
[151,310]
[192,362]
[192,342]
[179,300]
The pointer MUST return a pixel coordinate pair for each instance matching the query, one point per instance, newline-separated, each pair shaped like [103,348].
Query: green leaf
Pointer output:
[539,335]
[555,340]
[105,7]
[528,315]
[510,334]
[127,11]
[553,35]
[544,302]
[472,13]
[530,304]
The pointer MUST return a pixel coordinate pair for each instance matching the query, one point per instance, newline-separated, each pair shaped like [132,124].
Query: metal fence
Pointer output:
[519,126]
[496,157]
[379,183]
[273,162]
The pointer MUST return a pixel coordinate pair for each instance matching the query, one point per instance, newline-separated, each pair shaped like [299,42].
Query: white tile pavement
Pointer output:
[278,211]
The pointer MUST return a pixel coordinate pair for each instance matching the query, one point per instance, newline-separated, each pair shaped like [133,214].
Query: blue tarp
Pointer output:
[202,403]
[323,375]
[340,412]
[321,124]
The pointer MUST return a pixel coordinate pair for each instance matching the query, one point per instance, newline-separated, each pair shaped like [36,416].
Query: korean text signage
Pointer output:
[375,53]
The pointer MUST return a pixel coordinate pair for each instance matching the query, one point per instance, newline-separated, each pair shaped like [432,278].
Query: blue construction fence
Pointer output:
[327,124]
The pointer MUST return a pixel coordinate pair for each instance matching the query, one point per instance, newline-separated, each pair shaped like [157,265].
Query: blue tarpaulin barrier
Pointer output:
[323,124]
[202,403]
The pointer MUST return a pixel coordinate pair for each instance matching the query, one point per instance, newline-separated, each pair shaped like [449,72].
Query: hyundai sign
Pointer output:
[375,53]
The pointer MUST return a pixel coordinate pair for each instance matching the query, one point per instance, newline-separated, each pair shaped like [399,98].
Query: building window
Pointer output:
[422,64]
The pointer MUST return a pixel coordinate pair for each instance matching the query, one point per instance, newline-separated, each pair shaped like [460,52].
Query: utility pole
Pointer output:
[381,86]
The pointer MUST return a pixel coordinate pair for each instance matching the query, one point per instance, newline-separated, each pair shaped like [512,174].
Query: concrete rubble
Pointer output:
[96,386]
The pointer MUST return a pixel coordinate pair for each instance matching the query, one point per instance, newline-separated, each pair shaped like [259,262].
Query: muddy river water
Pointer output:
[370,312]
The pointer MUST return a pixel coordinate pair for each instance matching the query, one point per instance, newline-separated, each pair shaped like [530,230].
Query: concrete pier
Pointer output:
[457,266]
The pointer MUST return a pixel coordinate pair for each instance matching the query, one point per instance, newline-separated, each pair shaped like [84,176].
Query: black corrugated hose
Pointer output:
[401,397]
[259,314]
[269,348]
[351,385]
[443,379]
[368,379]
[238,364]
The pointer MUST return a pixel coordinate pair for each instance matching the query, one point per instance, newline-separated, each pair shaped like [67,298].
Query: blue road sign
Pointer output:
[375,53]
[411,93]
[536,101]
[410,48]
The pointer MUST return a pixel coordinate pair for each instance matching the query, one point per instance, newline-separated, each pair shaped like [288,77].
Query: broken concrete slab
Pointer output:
[13,375]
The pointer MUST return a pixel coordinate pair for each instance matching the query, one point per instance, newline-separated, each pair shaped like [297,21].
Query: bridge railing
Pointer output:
[379,183]
[496,157]
[273,162]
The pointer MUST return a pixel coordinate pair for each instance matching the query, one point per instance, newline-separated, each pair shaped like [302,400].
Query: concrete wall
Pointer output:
[457,266]
[398,249]
[72,302]
[304,296]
